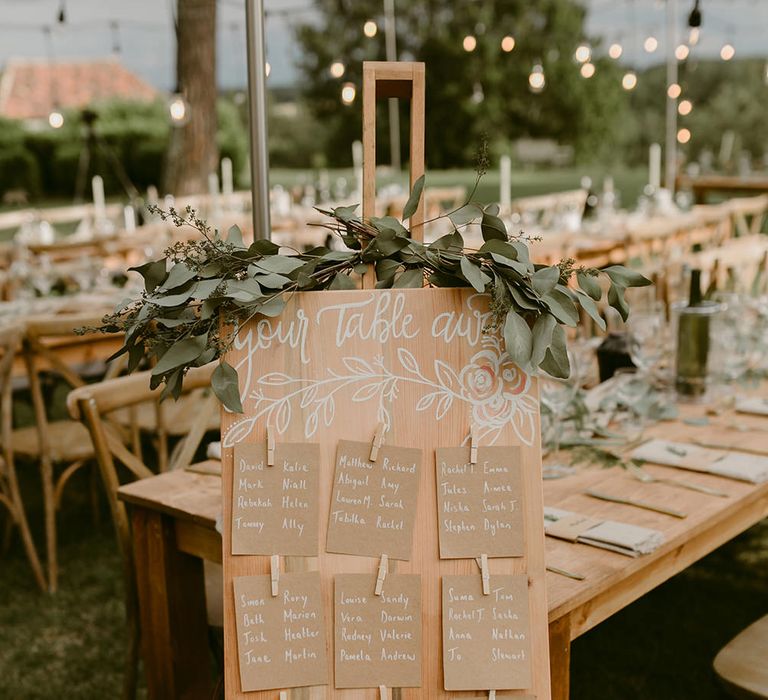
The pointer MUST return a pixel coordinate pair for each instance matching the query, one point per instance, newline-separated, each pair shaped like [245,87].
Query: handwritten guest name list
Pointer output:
[373,505]
[480,505]
[378,638]
[486,638]
[275,509]
[281,639]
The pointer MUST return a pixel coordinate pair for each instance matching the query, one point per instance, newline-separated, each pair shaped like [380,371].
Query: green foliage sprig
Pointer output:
[198,296]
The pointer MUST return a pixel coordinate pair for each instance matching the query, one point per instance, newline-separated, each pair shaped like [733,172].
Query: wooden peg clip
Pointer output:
[378,441]
[473,444]
[382,574]
[270,446]
[383,695]
[283,695]
[274,573]
[491,695]
[485,574]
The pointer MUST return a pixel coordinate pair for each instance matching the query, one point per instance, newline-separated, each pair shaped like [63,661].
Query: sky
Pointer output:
[145,32]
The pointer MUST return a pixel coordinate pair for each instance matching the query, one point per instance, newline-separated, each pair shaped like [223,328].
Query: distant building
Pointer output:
[31,89]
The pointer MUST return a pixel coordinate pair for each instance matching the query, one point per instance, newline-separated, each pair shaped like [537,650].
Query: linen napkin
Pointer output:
[732,465]
[755,404]
[615,536]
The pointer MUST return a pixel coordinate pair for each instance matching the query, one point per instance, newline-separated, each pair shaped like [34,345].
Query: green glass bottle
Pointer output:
[693,342]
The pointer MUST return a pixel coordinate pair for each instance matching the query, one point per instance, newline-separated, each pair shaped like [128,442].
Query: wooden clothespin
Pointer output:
[491,695]
[473,444]
[274,573]
[485,574]
[378,441]
[383,695]
[283,695]
[382,574]
[270,446]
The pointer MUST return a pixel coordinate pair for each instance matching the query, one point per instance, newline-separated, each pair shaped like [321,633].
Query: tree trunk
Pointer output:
[192,153]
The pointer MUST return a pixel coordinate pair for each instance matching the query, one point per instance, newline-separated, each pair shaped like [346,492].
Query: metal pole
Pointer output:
[390,39]
[257,110]
[670,171]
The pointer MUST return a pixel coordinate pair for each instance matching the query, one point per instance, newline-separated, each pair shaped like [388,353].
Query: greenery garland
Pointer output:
[198,296]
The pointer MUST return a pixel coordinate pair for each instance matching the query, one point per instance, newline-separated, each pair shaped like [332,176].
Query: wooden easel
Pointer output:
[358,420]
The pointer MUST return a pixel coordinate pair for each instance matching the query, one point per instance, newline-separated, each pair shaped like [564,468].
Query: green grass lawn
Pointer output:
[70,645]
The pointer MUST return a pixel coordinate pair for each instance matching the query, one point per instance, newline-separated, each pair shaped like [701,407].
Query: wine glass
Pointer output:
[557,396]
[648,339]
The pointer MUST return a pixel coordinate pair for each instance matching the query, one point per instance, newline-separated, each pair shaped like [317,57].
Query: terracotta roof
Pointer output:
[31,89]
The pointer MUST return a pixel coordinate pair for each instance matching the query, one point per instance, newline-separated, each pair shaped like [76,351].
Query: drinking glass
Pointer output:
[556,397]
[649,342]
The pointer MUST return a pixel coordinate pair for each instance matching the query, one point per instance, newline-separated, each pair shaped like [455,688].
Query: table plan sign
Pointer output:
[377,638]
[486,638]
[281,639]
[480,506]
[275,508]
[373,505]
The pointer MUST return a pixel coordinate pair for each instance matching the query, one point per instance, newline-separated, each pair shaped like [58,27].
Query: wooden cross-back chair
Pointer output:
[749,214]
[93,404]
[10,494]
[46,343]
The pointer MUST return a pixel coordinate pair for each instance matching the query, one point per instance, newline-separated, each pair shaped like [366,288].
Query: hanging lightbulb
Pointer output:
[727,52]
[267,69]
[508,43]
[629,81]
[694,35]
[536,80]
[469,43]
[615,50]
[694,22]
[683,135]
[177,110]
[477,93]
[337,69]
[685,107]
[370,28]
[674,91]
[650,44]
[587,70]
[56,119]
[348,93]
[582,53]
[681,52]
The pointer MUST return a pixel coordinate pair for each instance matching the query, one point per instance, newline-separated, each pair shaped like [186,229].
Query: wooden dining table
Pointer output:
[174,520]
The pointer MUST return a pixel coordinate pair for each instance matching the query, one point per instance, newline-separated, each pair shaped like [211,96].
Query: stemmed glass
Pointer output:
[557,396]
[649,341]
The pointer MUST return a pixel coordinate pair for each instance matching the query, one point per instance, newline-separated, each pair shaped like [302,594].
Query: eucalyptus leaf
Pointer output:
[184,352]
[562,307]
[178,275]
[235,237]
[153,272]
[342,281]
[590,285]
[273,307]
[474,274]
[226,386]
[556,361]
[545,279]
[346,213]
[492,209]
[617,301]
[412,278]
[590,307]
[542,337]
[493,228]
[413,201]
[280,264]
[518,339]
[625,277]
[465,214]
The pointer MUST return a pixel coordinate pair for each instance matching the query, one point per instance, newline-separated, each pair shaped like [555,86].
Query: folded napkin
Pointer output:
[756,405]
[612,535]
[213,451]
[732,465]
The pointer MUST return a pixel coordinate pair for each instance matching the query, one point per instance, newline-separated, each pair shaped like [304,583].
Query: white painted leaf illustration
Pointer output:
[310,426]
[357,365]
[443,405]
[367,391]
[283,416]
[329,410]
[238,432]
[275,379]
[408,361]
[445,375]
[308,396]
[426,401]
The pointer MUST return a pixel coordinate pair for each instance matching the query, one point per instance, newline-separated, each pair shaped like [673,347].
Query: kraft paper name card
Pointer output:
[280,639]
[378,638]
[486,638]
[480,506]
[275,509]
[373,505]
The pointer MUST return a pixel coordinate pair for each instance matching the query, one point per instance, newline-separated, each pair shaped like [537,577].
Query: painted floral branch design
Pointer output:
[493,387]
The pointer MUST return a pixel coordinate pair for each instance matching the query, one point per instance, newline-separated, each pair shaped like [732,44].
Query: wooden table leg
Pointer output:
[560,657]
[172,613]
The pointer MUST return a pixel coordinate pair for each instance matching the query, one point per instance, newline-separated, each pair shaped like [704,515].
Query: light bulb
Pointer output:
[370,28]
[348,93]
[685,107]
[536,79]
[56,119]
[469,43]
[674,91]
[629,81]
[337,69]
[177,108]
[582,53]
[693,36]
[683,136]
[507,43]
[587,70]
[650,44]
[615,50]
[727,52]
[267,69]
[681,52]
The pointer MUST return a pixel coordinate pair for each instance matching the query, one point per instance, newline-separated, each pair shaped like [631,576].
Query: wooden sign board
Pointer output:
[331,368]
